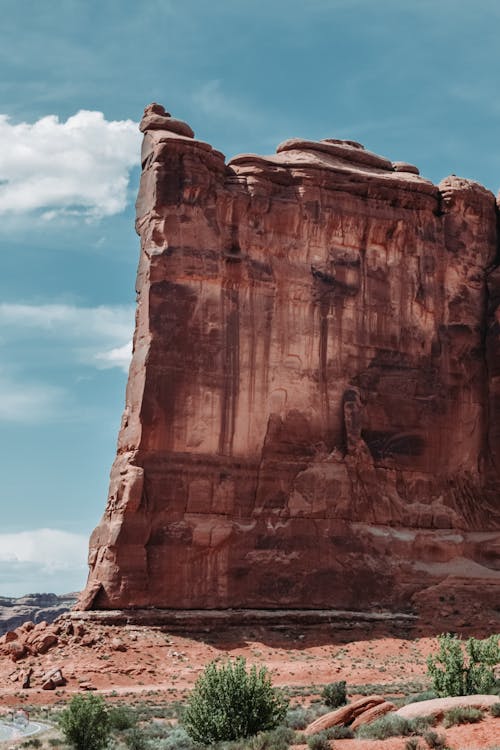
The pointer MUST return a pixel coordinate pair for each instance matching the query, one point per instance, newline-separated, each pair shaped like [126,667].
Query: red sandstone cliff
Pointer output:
[313,405]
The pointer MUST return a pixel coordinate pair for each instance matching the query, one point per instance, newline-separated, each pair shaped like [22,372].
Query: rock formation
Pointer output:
[313,405]
[34,607]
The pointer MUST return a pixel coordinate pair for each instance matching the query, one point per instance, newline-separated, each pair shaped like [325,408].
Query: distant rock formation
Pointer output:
[32,607]
[313,407]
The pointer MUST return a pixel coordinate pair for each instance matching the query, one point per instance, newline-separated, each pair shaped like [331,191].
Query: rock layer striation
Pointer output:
[313,405]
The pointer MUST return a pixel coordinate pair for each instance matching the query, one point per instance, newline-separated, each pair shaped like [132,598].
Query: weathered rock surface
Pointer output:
[345,715]
[438,706]
[32,607]
[313,408]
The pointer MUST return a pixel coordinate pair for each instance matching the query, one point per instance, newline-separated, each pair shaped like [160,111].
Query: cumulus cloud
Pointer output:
[99,336]
[78,167]
[42,560]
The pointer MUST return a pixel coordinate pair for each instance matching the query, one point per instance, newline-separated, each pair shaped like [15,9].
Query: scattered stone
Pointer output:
[26,678]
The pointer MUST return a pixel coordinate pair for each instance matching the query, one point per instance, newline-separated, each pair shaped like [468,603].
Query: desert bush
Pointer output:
[121,718]
[228,703]
[319,742]
[276,739]
[434,740]
[299,717]
[174,738]
[495,710]
[134,739]
[85,723]
[335,694]
[412,744]
[453,674]
[426,695]
[339,732]
[462,715]
[391,725]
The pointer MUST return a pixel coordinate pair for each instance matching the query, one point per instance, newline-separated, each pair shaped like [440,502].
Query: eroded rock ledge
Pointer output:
[313,405]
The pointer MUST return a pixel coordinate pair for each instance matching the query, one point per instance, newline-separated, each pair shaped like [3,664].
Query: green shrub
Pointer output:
[426,695]
[276,739]
[434,740]
[299,717]
[135,740]
[339,732]
[228,703]
[319,742]
[390,725]
[174,738]
[495,710]
[462,715]
[121,718]
[452,674]
[335,694]
[412,744]
[85,723]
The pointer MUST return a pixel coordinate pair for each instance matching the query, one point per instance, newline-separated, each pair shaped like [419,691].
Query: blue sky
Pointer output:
[414,80]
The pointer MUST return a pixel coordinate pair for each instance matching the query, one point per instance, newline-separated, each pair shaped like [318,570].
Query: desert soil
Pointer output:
[128,663]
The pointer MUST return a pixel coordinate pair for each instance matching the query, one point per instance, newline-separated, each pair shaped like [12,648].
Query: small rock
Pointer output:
[118,645]
[55,677]
[10,636]
[87,686]
[26,678]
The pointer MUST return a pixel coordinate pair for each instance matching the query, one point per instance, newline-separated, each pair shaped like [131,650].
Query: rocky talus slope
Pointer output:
[313,404]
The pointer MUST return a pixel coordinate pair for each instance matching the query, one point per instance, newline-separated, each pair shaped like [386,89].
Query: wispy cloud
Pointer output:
[98,336]
[120,356]
[78,167]
[42,560]
[214,102]
[26,402]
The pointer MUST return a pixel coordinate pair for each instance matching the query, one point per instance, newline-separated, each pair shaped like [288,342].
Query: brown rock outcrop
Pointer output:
[312,412]
[345,715]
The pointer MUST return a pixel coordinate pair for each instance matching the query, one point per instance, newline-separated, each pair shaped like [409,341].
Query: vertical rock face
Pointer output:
[313,405]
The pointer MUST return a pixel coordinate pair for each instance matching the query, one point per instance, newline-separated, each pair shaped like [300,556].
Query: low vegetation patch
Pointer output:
[434,740]
[495,710]
[392,725]
[462,715]
[319,741]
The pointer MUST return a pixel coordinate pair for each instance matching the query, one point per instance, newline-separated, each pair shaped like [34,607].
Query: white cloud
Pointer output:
[118,357]
[99,336]
[77,167]
[42,560]
[28,402]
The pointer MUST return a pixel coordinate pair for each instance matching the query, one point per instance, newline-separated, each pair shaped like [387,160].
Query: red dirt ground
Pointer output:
[160,666]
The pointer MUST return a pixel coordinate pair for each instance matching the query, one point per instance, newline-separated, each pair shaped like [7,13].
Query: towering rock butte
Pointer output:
[313,408]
